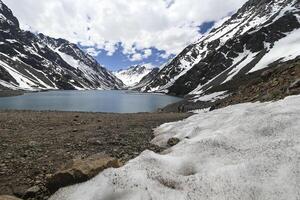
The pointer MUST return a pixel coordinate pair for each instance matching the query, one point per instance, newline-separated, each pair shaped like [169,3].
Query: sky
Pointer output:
[121,33]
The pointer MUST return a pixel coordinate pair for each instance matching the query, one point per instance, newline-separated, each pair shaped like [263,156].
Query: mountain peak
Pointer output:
[7,18]
[35,61]
[133,75]
[233,49]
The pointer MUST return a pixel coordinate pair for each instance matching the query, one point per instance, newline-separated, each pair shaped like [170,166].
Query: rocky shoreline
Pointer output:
[35,145]
[10,93]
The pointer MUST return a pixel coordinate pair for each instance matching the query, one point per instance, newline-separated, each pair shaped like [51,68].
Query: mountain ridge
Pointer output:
[133,75]
[230,50]
[35,61]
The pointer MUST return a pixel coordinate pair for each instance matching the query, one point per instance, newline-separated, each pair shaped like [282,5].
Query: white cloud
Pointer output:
[136,25]
[140,56]
[147,53]
[92,52]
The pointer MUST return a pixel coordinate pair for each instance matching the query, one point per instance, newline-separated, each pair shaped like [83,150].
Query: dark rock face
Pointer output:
[253,30]
[146,79]
[42,62]
[9,22]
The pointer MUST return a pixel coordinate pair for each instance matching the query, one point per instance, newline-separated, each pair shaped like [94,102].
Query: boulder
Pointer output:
[19,190]
[265,75]
[32,192]
[7,197]
[295,84]
[81,170]
[173,141]
[294,88]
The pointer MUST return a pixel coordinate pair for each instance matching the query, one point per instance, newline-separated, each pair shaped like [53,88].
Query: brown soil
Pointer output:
[34,145]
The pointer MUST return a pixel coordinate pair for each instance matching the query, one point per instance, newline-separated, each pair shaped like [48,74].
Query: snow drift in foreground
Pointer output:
[246,151]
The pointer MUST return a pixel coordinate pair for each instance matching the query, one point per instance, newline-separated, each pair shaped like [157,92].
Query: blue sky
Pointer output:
[119,60]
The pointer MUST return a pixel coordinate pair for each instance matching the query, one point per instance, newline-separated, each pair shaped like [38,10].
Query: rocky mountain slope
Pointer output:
[146,79]
[261,34]
[29,61]
[133,75]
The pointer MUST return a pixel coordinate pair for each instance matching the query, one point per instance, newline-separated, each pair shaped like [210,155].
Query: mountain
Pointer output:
[35,61]
[261,34]
[146,80]
[133,75]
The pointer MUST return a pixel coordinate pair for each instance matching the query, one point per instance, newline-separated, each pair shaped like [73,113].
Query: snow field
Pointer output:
[246,151]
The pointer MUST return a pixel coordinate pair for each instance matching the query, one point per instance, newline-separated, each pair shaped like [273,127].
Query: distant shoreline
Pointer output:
[11,93]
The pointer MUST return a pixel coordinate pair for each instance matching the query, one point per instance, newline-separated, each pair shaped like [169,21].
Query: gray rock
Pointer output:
[80,170]
[32,192]
[295,84]
[173,141]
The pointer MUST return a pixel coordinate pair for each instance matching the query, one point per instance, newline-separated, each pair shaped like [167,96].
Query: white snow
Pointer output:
[243,59]
[68,59]
[285,49]
[246,151]
[39,80]
[130,77]
[9,85]
[211,97]
[11,40]
[24,82]
[88,72]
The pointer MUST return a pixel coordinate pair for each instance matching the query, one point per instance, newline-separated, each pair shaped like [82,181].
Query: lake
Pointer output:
[89,101]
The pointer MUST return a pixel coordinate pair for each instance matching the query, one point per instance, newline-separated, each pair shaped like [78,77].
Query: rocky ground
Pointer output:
[33,145]
[271,84]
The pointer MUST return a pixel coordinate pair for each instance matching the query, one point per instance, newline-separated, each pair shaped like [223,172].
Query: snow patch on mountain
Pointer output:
[210,97]
[246,151]
[133,75]
[285,49]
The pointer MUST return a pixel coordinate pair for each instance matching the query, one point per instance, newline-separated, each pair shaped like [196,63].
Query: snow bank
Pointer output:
[246,151]
[285,49]
[211,97]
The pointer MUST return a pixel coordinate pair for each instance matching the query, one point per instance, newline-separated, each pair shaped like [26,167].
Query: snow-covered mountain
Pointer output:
[261,33]
[29,61]
[133,75]
[146,79]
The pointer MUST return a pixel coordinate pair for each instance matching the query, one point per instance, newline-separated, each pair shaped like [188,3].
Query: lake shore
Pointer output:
[34,145]
[10,93]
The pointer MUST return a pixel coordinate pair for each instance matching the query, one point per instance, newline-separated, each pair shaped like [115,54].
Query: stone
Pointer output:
[173,141]
[94,141]
[212,108]
[32,192]
[19,190]
[266,74]
[81,170]
[32,144]
[7,197]
[295,84]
